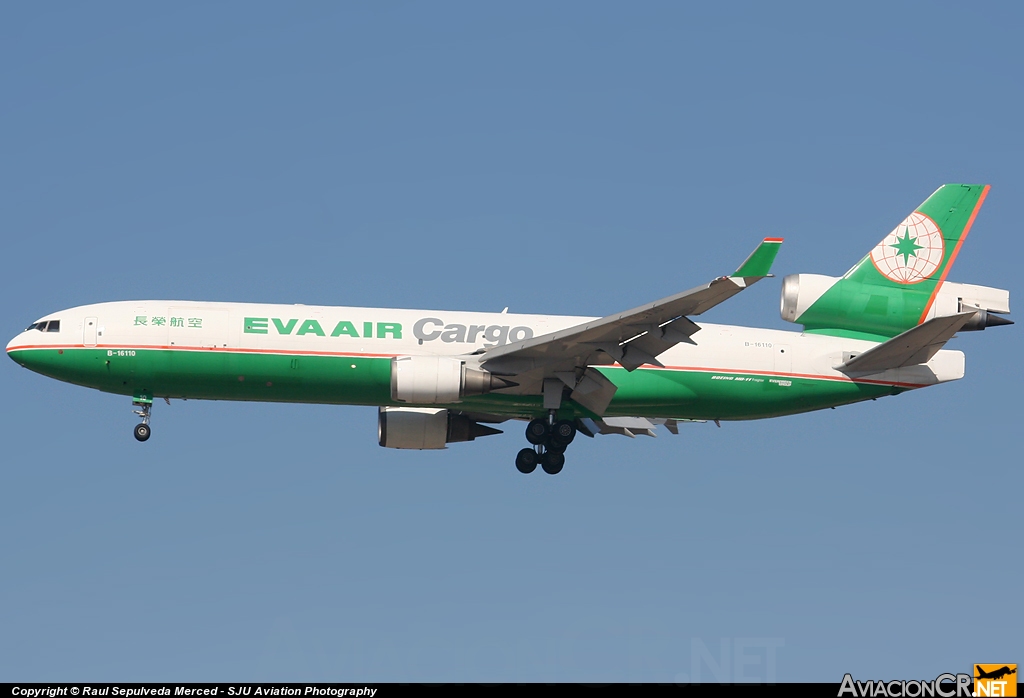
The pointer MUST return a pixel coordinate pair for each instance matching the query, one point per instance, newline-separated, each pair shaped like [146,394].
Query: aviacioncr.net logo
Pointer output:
[995,680]
[944,686]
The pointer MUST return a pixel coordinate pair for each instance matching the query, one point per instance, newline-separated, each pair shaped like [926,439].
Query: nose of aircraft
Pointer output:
[12,348]
[20,351]
[33,351]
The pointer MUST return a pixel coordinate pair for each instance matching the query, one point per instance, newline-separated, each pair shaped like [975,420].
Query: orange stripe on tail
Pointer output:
[956,251]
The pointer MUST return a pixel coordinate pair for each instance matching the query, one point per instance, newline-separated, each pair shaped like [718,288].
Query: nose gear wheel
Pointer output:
[142,431]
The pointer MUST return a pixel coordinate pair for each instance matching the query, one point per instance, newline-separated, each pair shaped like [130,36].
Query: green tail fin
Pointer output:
[894,286]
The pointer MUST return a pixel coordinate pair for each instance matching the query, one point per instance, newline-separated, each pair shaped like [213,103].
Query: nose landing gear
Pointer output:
[550,438]
[143,402]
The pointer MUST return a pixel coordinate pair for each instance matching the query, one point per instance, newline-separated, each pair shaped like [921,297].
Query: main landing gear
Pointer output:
[550,438]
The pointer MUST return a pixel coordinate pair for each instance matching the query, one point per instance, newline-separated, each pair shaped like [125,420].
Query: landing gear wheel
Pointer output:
[554,447]
[552,462]
[537,432]
[562,434]
[526,461]
[142,432]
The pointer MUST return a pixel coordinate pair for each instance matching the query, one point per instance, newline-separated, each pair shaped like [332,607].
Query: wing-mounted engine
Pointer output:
[426,428]
[439,380]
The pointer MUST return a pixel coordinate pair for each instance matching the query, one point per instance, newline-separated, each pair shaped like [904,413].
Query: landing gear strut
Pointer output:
[144,404]
[550,438]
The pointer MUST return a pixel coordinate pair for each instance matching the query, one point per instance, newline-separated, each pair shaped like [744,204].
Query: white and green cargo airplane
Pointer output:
[439,377]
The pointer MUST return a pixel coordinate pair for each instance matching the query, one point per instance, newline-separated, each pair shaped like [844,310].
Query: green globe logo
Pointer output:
[911,252]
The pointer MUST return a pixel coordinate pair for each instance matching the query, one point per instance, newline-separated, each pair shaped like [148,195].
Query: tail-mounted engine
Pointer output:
[989,303]
[439,380]
[800,291]
[426,428]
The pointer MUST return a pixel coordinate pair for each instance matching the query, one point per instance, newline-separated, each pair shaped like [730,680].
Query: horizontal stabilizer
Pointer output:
[915,346]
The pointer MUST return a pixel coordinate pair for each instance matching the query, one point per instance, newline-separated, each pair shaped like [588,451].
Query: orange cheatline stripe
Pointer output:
[774,239]
[956,251]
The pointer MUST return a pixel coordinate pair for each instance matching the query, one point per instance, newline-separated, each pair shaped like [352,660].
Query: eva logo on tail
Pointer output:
[912,252]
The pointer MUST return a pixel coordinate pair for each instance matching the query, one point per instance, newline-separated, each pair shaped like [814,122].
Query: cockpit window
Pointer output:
[35,326]
[54,326]
[45,326]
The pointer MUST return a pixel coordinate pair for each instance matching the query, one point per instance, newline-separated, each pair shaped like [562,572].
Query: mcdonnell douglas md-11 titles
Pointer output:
[444,377]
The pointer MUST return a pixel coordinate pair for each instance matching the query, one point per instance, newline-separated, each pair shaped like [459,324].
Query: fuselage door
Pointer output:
[89,339]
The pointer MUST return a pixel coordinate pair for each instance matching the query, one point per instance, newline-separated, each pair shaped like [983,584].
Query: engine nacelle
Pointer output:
[954,298]
[438,380]
[800,291]
[425,428]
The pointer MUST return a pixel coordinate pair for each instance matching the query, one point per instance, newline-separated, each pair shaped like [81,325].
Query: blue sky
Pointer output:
[576,158]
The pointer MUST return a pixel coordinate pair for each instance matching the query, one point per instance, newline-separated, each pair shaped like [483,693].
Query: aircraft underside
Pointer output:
[693,394]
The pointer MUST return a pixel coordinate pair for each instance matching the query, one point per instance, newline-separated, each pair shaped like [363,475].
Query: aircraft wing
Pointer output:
[915,346]
[634,337]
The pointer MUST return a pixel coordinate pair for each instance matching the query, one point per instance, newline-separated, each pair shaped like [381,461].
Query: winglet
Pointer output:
[759,263]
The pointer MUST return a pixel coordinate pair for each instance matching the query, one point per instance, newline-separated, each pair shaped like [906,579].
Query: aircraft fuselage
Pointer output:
[342,355]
